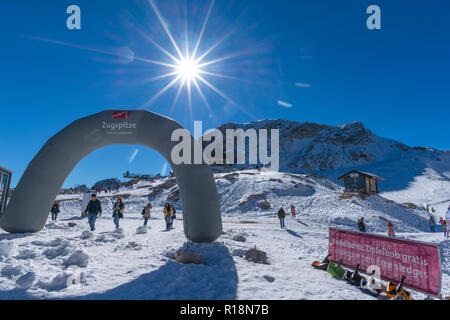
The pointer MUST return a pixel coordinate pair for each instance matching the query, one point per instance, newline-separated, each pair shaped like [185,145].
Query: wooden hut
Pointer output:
[360,182]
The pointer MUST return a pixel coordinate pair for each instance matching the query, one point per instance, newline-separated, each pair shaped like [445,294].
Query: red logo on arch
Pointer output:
[121,114]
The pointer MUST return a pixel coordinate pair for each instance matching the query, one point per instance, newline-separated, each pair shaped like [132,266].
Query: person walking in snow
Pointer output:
[168,216]
[146,213]
[174,212]
[293,211]
[432,223]
[390,227]
[93,209]
[118,210]
[55,210]
[361,225]
[281,216]
[443,224]
[447,220]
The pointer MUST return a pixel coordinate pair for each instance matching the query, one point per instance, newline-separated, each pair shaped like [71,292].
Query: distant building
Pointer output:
[5,181]
[361,182]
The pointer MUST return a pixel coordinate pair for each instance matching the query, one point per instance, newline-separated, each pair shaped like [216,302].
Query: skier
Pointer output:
[282,215]
[432,223]
[94,208]
[118,209]
[55,210]
[293,211]
[361,225]
[168,215]
[443,224]
[146,213]
[390,227]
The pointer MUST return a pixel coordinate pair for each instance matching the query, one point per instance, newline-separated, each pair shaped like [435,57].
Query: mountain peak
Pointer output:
[312,147]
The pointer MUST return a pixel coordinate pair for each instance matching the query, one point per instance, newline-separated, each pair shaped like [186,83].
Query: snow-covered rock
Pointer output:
[239,238]
[78,258]
[255,255]
[188,257]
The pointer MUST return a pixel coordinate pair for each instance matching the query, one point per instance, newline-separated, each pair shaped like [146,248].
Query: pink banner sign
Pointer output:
[419,262]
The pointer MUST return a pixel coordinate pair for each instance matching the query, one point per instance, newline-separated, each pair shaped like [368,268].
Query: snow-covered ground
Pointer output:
[107,264]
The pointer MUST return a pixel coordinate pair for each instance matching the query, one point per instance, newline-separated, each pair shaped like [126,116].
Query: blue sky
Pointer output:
[316,56]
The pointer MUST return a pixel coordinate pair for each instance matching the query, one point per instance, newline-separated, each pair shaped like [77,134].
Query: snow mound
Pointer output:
[109,237]
[52,243]
[6,249]
[26,254]
[119,230]
[141,230]
[60,282]
[26,281]
[86,235]
[55,225]
[10,271]
[53,253]
[78,258]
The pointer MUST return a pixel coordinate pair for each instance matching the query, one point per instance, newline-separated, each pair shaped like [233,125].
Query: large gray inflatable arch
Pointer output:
[29,206]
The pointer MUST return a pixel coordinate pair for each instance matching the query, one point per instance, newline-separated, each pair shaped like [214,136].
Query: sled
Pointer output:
[354,278]
[373,292]
[335,270]
[397,292]
[321,265]
[368,286]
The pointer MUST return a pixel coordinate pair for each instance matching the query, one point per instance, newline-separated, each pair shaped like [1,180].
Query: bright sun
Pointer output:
[188,69]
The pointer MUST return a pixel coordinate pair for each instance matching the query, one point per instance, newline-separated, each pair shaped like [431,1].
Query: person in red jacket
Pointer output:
[293,211]
[443,224]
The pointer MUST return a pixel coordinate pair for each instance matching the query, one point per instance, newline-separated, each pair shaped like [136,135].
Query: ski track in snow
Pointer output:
[127,265]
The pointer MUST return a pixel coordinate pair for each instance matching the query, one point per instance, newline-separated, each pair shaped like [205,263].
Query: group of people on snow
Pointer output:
[94,209]
[445,223]
[282,215]
[389,226]
[108,189]
[169,215]
[442,222]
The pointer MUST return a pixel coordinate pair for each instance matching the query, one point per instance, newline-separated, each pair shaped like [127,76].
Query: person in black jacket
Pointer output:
[55,210]
[118,210]
[361,225]
[282,215]
[93,209]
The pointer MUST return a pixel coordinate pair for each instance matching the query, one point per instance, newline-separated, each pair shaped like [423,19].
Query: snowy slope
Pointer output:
[130,265]
[414,175]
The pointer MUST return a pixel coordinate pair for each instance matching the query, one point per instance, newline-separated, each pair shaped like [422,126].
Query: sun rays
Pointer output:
[189,70]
